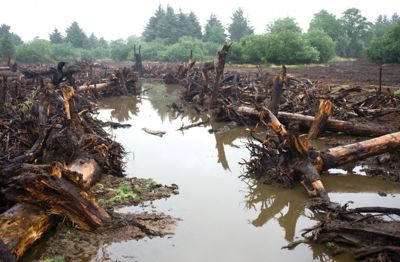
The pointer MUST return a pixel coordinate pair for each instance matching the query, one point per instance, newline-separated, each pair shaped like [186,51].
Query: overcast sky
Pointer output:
[122,18]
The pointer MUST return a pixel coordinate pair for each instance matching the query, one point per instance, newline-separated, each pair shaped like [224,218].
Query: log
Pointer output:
[325,109]
[353,152]
[20,227]
[98,87]
[346,127]
[333,125]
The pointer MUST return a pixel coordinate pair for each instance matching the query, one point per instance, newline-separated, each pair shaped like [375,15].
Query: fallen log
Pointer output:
[97,87]
[346,127]
[353,152]
[20,227]
[334,125]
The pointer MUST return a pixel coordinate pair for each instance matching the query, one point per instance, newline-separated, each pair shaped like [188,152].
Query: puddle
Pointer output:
[224,218]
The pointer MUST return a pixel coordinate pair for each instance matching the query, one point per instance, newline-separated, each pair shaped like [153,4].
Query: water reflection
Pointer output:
[122,108]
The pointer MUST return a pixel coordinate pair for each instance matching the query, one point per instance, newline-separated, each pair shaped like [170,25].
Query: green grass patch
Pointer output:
[56,259]
[123,193]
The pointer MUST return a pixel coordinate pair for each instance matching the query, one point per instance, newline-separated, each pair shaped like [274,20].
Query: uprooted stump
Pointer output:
[368,233]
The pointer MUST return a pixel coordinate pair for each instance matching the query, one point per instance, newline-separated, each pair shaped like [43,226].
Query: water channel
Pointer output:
[224,217]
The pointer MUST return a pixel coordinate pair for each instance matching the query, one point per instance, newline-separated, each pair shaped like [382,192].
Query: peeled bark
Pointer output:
[20,227]
[325,109]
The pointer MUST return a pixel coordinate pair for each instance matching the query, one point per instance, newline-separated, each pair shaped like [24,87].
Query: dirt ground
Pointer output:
[353,73]
[71,244]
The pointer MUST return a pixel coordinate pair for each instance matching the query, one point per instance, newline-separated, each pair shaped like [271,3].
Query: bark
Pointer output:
[20,227]
[325,110]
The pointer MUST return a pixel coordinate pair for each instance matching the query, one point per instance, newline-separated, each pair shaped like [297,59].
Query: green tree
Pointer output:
[5,30]
[76,36]
[56,37]
[64,52]
[327,23]
[37,51]
[214,31]
[152,28]
[240,26]
[357,30]
[287,24]
[387,48]
[119,50]
[322,42]
[7,46]
[194,26]
[93,41]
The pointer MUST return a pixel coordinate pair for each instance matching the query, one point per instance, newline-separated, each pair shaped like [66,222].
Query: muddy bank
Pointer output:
[71,244]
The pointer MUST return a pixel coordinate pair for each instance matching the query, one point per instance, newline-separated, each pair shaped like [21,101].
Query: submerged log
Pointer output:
[325,109]
[20,227]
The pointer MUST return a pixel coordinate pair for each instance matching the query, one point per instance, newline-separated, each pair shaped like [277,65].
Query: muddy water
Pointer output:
[224,217]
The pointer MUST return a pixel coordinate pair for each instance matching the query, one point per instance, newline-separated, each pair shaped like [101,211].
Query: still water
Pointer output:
[223,216]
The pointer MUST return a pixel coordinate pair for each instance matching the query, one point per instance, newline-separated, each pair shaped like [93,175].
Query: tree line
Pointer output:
[171,35]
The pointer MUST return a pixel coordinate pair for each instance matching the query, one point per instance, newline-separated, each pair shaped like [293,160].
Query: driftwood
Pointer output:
[279,81]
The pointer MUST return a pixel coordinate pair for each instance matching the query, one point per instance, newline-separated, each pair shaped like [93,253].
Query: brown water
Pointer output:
[224,218]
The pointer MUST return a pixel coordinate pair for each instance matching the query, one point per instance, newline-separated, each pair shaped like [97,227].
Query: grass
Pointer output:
[56,259]
[123,193]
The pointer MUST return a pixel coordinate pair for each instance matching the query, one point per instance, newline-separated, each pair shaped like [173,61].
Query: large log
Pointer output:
[353,152]
[20,227]
[346,127]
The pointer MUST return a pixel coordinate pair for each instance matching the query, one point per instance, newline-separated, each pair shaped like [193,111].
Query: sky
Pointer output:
[122,18]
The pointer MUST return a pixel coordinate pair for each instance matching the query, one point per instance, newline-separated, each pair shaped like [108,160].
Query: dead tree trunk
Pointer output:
[325,109]
[219,72]
[122,82]
[138,66]
[20,227]
[277,90]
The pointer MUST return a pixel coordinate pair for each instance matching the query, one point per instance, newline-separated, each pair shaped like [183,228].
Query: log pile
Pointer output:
[52,151]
